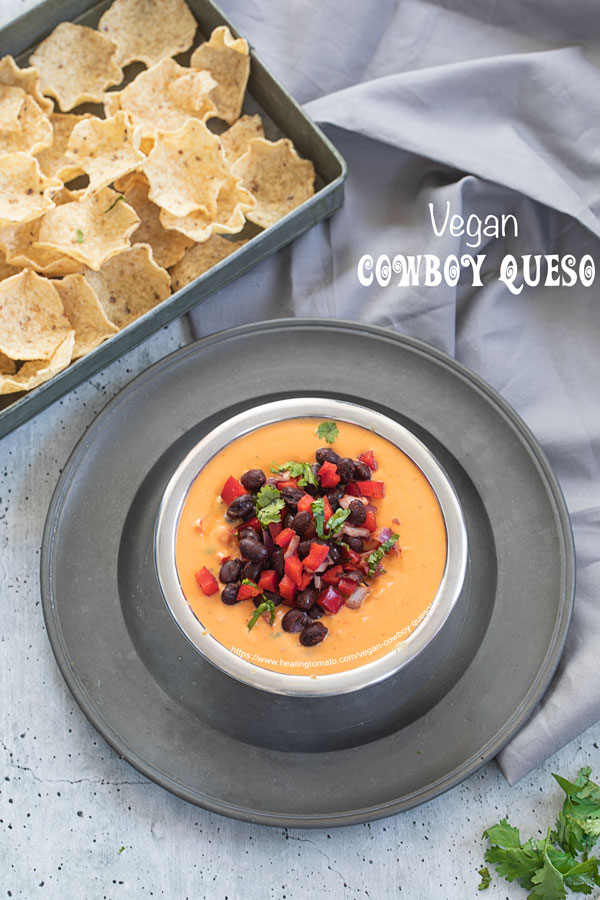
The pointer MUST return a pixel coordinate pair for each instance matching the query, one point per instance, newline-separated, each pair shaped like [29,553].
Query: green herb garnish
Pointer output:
[120,850]
[79,233]
[269,504]
[265,606]
[302,471]
[376,556]
[336,521]
[485,879]
[318,511]
[328,431]
[114,203]
[547,868]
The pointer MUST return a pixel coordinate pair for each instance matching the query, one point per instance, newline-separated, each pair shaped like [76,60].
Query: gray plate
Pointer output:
[192,729]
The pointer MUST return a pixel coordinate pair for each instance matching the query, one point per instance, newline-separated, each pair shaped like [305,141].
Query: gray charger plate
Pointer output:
[196,732]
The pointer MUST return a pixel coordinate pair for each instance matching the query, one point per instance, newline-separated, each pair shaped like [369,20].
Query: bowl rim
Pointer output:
[284,683]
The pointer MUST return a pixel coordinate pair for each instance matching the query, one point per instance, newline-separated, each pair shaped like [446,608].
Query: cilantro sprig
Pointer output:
[334,523]
[300,470]
[376,556]
[547,868]
[266,606]
[328,431]
[269,504]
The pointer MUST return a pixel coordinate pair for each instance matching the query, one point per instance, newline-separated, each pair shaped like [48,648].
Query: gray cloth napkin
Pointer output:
[494,108]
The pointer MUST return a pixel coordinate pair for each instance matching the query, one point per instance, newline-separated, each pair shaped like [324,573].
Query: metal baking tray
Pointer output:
[282,116]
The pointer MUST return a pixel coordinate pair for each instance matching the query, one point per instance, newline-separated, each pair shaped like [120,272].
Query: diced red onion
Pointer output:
[292,546]
[354,531]
[353,576]
[324,565]
[317,582]
[382,535]
[268,540]
[284,476]
[273,481]
[356,597]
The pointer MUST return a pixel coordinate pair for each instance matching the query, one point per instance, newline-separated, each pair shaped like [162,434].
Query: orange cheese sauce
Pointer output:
[397,601]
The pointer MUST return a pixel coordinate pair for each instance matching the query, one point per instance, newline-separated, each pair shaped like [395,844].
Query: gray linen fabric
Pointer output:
[494,107]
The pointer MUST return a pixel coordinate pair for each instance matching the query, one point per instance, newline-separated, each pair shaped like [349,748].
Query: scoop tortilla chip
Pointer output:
[6,270]
[11,101]
[36,372]
[150,103]
[25,192]
[130,284]
[200,258]
[85,313]
[76,63]
[53,161]
[167,246]
[276,176]
[17,242]
[191,91]
[34,133]
[235,140]
[228,61]
[32,323]
[186,169]
[28,79]
[105,149]
[148,30]
[233,203]
[90,230]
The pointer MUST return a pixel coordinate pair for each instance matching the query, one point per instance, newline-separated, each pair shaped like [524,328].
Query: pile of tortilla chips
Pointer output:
[159,195]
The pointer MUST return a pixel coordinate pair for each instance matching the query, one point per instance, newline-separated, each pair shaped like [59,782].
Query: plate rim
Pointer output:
[381,810]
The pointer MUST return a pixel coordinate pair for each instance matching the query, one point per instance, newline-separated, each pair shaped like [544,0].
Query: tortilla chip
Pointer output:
[148,30]
[200,258]
[6,270]
[235,140]
[32,323]
[54,161]
[191,91]
[228,61]
[276,176]
[85,313]
[186,169]
[17,242]
[11,101]
[167,246]
[7,365]
[90,230]
[150,103]
[233,203]
[76,64]
[28,79]
[25,192]
[36,372]
[34,134]
[130,284]
[105,149]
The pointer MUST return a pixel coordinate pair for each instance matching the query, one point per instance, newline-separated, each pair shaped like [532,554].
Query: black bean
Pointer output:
[306,598]
[287,520]
[361,471]
[241,508]
[345,468]
[358,513]
[303,548]
[355,543]
[326,454]
[229,594]
[335,553]
[300,522]
[252,570]
[315,612]
[230,571]
[333,502]
[248,533]
[291,495]
[278,562]
[310,488]
[313,634]
[295,620]
[253,480]
[310,532]
[270,595]
[253,550]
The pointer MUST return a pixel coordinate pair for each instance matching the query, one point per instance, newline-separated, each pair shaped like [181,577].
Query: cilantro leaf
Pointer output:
[267,495]
[318,511]
[486,879]
[299,470]
[265,606]
[269,504]
[520,863]
[577,828]
[503,834]
[548,883]
[376,556]
[336,521]
[328,431]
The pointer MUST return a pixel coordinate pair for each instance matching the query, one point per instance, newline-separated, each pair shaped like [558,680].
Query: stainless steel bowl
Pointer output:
[309,685]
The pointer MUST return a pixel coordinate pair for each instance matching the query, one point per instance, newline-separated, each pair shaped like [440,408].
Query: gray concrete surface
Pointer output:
[77,823]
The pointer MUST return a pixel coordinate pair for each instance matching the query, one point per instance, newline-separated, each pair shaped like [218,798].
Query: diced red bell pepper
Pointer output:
[288,590]
[293,568]
[232,489]
[305,503]
[347,586]
[316,557]
[369,459]
[290,483]
[375,489]
[351,555]
[284,537]
[330,600]
[333,575]
[327,508]
[275,528]
[371,521]
[248,590]
[328,475]
[268,580]
[250,523]
[207,581]
[352,489]
[306,580]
